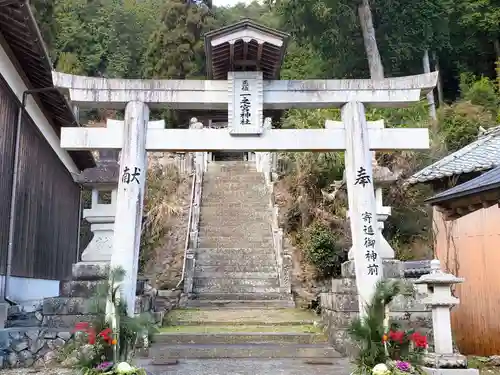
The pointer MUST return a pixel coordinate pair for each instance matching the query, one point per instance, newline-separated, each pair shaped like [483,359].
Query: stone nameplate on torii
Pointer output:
[245,114]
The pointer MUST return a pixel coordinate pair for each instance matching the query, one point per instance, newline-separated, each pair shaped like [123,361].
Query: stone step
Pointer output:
[231,182]
[252,222]
[240,317]
[234,203]
[241,296]
[234,198]
[251,263]
[165,353]
[235,220]
[241,231]
[236,275]
[225,203]
[236,190]
[235,251]
[250,237]
[251,190]
[236,268]
[256,225]
[241,304]
[223,283]
[253,211]
[227,182]
[206,258]
[235,289]
[234,242]
[237,224]
[236,232]
[208,215]
[234,173]
[239,338]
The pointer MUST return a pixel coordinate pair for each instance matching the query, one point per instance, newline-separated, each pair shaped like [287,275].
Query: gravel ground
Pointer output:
[42,371]
[252,367]
[222,367]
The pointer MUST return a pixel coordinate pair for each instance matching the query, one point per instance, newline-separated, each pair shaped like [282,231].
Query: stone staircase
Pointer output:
[235,260]
[237,308]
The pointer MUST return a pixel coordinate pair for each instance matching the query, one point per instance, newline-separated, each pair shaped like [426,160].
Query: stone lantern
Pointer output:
[103,180]
[444,360]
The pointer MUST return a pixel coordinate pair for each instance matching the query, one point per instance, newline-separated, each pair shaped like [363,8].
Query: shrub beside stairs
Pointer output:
[237,309]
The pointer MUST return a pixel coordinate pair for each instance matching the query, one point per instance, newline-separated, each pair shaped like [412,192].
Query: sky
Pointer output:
[229,2]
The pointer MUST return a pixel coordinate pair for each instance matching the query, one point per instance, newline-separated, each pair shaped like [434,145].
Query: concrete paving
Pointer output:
[337,366]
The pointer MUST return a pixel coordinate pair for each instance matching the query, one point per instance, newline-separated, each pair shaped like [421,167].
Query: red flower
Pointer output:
[419,340]
[85,327]
[105,334]
[397,336]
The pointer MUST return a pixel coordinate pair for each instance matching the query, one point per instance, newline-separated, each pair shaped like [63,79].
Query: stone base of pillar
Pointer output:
[445,361]
[340,306]
[79,297]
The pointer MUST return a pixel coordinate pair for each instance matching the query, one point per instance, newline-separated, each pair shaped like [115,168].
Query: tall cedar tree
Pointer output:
[176,50]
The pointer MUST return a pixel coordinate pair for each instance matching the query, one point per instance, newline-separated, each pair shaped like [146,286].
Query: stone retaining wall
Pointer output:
[27,347]
[340,306]
[50,327]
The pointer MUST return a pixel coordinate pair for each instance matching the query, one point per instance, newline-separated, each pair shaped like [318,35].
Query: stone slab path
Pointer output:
[340,366]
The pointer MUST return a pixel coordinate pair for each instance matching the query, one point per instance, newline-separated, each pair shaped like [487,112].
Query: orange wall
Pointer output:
[470,248]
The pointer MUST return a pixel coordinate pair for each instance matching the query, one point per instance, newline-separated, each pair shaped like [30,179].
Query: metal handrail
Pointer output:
[188,234]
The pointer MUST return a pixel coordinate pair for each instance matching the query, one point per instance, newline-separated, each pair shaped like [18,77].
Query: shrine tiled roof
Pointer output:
[245,46]
[481,155]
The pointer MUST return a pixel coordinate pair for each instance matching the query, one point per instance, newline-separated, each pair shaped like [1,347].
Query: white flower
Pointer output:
[124,368]
[381,369]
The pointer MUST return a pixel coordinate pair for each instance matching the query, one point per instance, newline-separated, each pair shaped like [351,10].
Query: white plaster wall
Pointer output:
[30,292]
[14,80]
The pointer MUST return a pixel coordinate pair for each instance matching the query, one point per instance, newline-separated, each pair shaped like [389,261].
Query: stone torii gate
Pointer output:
[246,96]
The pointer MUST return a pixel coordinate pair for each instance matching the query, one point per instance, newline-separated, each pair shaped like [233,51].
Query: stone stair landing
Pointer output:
[236,333]
[235,260]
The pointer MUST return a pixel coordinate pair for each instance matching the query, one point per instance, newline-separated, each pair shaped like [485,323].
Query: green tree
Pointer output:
[403,31]
[483,15]
[176,48]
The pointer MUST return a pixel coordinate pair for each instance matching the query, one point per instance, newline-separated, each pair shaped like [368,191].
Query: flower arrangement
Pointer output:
[108,351]
[395,368]
[109,368]
[408,345]
[383,348]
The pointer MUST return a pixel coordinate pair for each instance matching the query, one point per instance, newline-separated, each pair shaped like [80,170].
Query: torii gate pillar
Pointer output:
[130,199]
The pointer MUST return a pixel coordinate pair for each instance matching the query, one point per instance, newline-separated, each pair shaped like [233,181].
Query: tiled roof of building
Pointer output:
[22,36]
[487,181]
[481,155]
